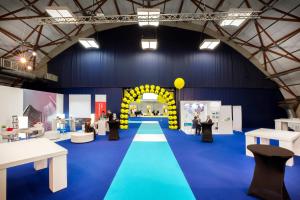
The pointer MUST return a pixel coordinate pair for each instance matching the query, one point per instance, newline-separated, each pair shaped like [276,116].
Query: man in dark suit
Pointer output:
[197,125]
[208,120]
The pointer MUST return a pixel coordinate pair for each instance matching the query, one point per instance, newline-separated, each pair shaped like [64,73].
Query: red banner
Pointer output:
[100,107]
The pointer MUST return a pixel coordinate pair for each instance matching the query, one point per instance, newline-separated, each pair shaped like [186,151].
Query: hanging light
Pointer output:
[148,17]
[149,44]
[89,43]
[23,60]
[29,67]
[209,44]
[33,53]
[236,16]
[60,13]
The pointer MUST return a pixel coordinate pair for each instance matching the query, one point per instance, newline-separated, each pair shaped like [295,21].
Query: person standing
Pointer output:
[88,128]
[208,120]
[198,125]
[194,123]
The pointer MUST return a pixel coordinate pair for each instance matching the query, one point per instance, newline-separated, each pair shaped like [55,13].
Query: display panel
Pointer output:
[39,106]
[100,106]
[80,106]
[190,109]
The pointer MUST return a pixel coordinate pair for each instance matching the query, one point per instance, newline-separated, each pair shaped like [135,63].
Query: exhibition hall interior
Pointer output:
[149,99]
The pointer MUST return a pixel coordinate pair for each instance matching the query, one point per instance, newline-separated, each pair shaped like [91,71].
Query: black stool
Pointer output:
[113,129]
[268,179]
[207,132]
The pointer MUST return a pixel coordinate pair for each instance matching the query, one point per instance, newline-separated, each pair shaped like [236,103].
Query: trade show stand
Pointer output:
[221,116]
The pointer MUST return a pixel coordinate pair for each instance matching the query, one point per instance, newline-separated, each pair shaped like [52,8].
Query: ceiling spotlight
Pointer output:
[33,53]
[148,17]
[60,13]
[236,16]
[89,43]
[209,44]
[29,67]
[23,60]
[149,44]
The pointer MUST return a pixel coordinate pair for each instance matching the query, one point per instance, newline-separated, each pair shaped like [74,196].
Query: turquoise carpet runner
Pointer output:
[149,170]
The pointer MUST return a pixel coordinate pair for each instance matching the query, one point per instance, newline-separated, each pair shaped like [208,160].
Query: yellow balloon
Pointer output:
[179,83]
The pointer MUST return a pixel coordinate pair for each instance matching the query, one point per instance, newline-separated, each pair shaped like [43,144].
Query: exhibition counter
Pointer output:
[134,122]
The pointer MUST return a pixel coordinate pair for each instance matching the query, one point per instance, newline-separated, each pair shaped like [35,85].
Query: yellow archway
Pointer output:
[135,94]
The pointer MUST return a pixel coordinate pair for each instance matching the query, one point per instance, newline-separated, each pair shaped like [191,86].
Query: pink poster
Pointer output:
[39,107]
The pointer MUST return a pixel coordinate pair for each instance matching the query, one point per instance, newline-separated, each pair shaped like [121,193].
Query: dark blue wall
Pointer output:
[222,74]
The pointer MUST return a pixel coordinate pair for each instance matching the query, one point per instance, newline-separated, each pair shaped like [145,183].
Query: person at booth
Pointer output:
[196,125]
[208,119]
[89,129]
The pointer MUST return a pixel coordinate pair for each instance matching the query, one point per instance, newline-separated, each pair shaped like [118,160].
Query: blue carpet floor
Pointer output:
[220,170]
[214,171]
[91,168]
[149,171]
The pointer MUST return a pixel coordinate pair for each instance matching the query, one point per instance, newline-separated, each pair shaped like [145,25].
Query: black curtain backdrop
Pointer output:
[222,74]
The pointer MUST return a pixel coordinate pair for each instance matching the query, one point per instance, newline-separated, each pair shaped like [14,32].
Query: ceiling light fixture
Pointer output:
[149,44]
[33,53]
[209,44]
[236,16]
[148,17]
[23,60]
[89,43]
[60,13]
[29,67]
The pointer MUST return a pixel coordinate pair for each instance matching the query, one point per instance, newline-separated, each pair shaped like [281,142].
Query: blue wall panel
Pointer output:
[222,74]
[120,62]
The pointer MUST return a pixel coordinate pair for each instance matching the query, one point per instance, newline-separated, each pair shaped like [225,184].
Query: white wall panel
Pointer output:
[59,103]
[11,103]
[80,105]
[237,118]
[225,120]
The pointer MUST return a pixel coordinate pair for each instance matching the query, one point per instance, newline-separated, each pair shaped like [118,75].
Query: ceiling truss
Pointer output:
[268,49]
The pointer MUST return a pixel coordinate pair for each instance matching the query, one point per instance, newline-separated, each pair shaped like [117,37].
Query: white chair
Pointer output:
[52,135]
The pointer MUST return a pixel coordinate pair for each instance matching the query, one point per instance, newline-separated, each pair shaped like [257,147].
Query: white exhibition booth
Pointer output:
[23,109]
[226,118]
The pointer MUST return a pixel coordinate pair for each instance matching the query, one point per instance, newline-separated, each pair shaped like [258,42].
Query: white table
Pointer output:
[37,151]
[287,139]
[282,124]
